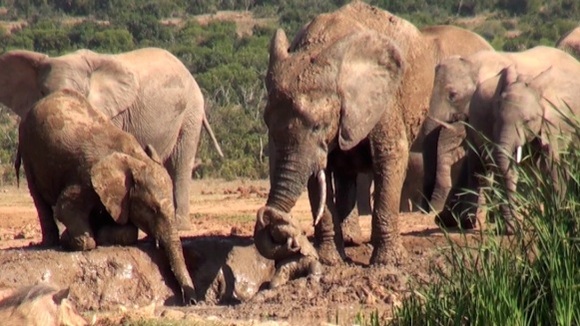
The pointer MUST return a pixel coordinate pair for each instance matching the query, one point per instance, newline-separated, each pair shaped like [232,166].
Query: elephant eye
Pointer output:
[317,127]
[452,96]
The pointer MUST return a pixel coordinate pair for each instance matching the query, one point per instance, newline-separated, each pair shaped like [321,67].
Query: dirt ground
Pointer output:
[223,215]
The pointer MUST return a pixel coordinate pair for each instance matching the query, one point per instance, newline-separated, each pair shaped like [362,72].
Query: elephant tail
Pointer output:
[210,132]
[17,163]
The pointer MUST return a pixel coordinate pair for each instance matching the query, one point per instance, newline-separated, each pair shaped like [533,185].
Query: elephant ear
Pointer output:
[112,180]
[369,76]
[278,52]
[19,87]
[507,76]
[152,153]
[113,86]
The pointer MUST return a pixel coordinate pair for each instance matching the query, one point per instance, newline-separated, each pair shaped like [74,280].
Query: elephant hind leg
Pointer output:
[346,191]
[48,225]
[180,167]
[73,209]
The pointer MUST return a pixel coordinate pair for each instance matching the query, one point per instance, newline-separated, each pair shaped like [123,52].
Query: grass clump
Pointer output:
[530,278]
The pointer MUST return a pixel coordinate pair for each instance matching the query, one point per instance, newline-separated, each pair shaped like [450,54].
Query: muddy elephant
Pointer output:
[570,42]
[526,110]
[76,161]
[148,93]
[354,83]
[456,80]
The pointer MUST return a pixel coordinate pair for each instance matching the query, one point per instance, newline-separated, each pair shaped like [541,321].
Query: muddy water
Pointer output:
[224,270]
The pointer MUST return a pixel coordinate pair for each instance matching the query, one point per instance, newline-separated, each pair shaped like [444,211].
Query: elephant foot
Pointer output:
[294,267]
[505,227]
[446,219]
[351,232]
[79,243]
[189,296]
[50,240]
[329,254]
[121,235]
[389,254]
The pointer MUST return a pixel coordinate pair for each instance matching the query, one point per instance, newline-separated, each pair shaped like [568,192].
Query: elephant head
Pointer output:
[28,76]
[319,99]
[520,118]
[454,84]
[140,191]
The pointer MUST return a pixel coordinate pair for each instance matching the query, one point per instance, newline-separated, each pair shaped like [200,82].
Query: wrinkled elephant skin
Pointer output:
[148,93]
[338,90]
[77,162]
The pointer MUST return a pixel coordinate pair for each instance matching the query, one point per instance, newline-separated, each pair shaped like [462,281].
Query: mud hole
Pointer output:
[227,271]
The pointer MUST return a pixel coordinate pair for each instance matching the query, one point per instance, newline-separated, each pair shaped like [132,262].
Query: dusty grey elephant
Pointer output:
[76,161]
[355,83]
[570,42]
[352,190]
[148,93]
[456,80]
[525,111]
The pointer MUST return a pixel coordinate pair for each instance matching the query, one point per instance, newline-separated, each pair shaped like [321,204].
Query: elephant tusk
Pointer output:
[518,154]
[441,122]
[321,176]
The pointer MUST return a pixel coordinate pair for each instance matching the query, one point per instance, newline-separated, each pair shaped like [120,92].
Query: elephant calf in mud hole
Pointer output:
[77,162]
[533,111]
[464,82]
[38,305]
[355,82]
[148,93]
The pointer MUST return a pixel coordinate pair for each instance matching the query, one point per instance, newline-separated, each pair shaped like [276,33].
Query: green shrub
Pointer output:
[531,278]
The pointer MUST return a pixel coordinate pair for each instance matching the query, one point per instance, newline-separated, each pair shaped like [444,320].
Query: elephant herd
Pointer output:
[108,142]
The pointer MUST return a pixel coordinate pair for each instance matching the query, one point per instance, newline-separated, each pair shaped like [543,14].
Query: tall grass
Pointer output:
[530,278]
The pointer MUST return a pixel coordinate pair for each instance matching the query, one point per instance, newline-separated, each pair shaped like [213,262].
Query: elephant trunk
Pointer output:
[171,243]
[507,175]
[430,167]
[289,179]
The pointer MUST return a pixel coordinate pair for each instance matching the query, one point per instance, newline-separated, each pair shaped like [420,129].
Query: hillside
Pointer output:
[224,44]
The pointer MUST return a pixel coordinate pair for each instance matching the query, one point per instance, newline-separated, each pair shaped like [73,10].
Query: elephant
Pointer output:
[526,110]
[354,84]
[570,42]
[456,79]
[77,161]
[147,92]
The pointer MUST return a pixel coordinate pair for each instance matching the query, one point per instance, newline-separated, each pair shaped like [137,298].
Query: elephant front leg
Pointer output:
[117,235]
[390,152]
[328,232]
[463,200]
[73,209]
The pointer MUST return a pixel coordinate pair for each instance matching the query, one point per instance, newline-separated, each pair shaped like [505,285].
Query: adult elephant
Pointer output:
[570,42]
[456,80]
[354,83]
[525,110]
[148,93]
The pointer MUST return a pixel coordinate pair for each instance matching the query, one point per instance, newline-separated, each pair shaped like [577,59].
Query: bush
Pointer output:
[531,278]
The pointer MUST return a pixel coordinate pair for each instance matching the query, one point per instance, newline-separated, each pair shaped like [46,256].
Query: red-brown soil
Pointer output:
[112,278]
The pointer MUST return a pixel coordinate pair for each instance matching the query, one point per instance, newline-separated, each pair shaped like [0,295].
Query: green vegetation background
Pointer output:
[230,65]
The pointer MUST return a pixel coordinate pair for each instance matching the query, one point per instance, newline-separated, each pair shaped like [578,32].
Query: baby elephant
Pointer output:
[79,165]
[38,305]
